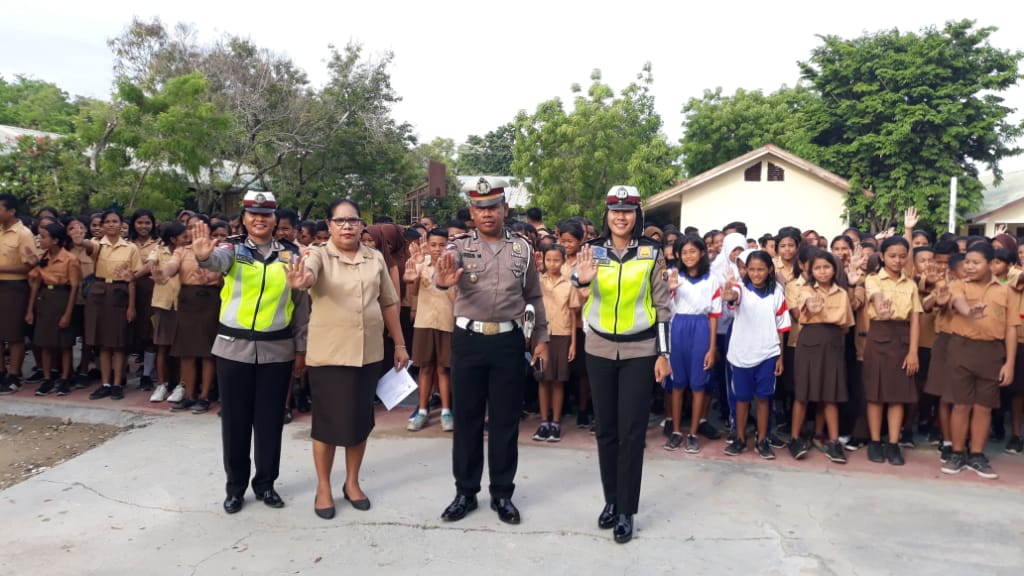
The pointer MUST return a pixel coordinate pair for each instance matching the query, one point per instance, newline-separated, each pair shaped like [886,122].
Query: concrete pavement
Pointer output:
[148,502]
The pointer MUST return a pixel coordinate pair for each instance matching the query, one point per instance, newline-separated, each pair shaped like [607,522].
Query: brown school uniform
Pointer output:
[142,332]
[165,300]
[820,359]
[888,341]
[435,320]
[980,342]
[14,290]
[106,320]
[561,303]
[55,279]
[198,307]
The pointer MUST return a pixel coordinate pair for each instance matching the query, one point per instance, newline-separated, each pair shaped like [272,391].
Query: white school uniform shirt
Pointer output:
[760,318]
[701,295]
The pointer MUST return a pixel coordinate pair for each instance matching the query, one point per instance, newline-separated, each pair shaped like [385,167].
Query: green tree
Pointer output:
[900,113]
[488,154]
[718,128]
[30,103]
[573,158]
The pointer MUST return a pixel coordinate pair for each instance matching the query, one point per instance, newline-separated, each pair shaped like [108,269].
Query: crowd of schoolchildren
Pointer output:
[864,341]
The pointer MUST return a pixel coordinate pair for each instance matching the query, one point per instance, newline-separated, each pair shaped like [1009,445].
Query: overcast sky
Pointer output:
[494,59]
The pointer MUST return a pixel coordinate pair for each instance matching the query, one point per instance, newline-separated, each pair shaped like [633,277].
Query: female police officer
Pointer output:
[262,331]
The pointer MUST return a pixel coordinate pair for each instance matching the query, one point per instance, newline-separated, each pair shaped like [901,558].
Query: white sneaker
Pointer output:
[160,394]
[178,395]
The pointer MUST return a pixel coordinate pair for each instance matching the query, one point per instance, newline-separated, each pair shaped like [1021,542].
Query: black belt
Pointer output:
[282,334]
[60,287]
[111,281]
[13,282]
[639,336]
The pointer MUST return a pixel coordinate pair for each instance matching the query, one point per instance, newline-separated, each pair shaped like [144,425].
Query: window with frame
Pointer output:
[776,173]
[752,174]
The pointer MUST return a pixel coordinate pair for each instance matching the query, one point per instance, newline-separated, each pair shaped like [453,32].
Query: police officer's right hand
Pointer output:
[447,273]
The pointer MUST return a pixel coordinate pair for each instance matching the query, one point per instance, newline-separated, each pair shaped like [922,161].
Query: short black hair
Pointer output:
[737,226]
[983,248]
[10,201]
[459,224]
[535,214]
[946,247]
[691,231]
[438,232]
[288,214]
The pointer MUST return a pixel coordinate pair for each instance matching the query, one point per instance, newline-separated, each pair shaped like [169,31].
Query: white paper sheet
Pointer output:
[393,387]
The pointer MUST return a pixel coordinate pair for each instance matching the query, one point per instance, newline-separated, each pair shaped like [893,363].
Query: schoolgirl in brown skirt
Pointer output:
[110,305]
[819,372]
[173,235]
[141,231]
[890,354]
[55,282]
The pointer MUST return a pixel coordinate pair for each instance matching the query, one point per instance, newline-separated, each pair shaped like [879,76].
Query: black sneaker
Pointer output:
[736,447]
[184,404]
[854,444]
[798,448]
[907,439]
[894,455]
[835,452]
[103,391]
[36,376]
[45,388]
[764,450]
[979,464]
[146,383]
[94,374]
[666,428]
[875,452]
[63,387]
[776,441]
[80,381]
[1015,445]
[935,437]
[9,385]
[543,432]
[201,406]
[582,419]
[945,453]
[956,462]
[731,438]
[708,430]
[117,392]
[675,440]
[692,444]
[556,433]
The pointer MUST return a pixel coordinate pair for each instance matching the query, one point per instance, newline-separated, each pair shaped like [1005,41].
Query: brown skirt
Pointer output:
[819,366]
[431,347]
[343,403]
[13,305]
[142,328]
[885,380]
[165,326]
[198,315]
[557,369]
[937,383]
[106,315]
[51,303]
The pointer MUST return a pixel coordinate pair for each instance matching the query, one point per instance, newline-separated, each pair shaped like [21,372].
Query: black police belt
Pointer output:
[282,334]
[638,337]
[485,328]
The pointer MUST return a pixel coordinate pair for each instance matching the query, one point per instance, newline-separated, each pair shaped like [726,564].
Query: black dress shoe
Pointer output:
[507,511]
[459,507]
[607,518]
[270,498]
[325,513]
[362,505]
[623,528]
[233,504]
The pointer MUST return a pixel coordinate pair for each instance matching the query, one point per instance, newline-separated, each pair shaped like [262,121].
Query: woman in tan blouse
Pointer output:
[353,300]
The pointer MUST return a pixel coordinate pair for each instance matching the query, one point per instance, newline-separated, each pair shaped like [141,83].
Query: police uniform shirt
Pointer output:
[498,280]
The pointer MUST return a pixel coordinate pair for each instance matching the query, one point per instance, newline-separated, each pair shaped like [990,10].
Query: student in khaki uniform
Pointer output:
[55,283]
[433,322]
[497,279]
[984,335]
[938,372]
[17,257]
[165,316]
[561,306]
[142,232]
[890,356]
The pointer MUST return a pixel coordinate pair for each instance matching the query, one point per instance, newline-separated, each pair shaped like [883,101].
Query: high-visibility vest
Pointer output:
[256,302]
[621,301]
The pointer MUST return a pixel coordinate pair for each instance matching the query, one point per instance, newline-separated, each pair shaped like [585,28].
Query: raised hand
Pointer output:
[586,266]
[1001,229]
[202,243]
[815,304]
[298,276]
[885,311]
[673,279]
[977,311]
[942,294]
[910,219]
[729,289]
[447,273]
[416,254]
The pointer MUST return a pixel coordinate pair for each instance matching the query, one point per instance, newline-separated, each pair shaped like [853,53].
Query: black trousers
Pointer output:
[487,377]
[252,401]
[621,393]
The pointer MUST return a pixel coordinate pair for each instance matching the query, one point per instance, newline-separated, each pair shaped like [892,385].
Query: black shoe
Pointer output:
[80,381]
[102,392]
[894,455]
[117,392]
[287,416]
[945,453]
[979,464]
[623,531]
[1015,445]
[362,504]
[736,448]
[63,388]
[875,452]
[201,406]
[233,504]
[325,513]
[854,444]
[9,385]
[45,388]
[37,376]
[185,404]
[270,498]
[146,383]
[835,452]
[708,430]
[606,520]
[731,438]
[674,442]
[954,463]
[459,507]
[94,374]
[798,448]
[556,434]
[776,441]
[507,511]
[582,419]
[935,438]
[907,439]
[666,428]
[543,432]
[764,450]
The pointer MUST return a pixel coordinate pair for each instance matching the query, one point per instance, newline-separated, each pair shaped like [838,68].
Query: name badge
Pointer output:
[645,253]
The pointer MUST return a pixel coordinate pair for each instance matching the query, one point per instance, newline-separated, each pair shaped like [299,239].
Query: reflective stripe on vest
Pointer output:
[624,303]
[255,295]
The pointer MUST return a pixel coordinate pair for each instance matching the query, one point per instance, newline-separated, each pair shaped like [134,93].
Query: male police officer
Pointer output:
[496,278]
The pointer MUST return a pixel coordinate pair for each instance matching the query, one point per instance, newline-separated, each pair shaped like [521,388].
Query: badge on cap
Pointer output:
[483,186]
[622,193]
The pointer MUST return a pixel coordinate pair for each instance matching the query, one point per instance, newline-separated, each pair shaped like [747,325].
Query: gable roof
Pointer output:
[1009,192]
[766,151]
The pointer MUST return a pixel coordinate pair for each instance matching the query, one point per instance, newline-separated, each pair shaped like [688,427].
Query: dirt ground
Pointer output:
[30,445]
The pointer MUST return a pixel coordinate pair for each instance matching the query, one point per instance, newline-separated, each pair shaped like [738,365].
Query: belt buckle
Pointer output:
[489,328]
[108,280]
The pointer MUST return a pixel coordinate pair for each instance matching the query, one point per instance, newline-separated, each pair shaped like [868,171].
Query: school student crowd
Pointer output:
[866,341]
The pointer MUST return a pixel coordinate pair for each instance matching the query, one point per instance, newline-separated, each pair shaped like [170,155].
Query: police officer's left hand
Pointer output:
[662,369]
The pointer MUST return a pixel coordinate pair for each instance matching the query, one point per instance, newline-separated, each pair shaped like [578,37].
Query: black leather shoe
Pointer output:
[507,511]
[607,518]
[233,504]
[270,498]
[361,505]
[623,528]
[459,507]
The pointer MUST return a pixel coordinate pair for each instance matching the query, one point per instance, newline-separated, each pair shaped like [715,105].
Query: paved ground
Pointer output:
[149,501]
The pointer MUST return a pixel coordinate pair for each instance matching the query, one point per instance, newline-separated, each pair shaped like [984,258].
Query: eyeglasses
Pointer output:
[351,222]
